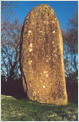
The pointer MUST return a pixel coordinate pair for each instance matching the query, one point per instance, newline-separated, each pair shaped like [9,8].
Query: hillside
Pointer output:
[27,110]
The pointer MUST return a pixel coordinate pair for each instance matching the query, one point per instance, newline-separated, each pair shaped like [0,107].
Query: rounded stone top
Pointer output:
[43,7]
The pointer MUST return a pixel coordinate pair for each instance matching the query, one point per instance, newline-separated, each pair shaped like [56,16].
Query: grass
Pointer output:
[26,110]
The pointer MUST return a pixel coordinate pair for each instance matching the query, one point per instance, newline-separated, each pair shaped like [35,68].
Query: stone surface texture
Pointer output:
[42,60]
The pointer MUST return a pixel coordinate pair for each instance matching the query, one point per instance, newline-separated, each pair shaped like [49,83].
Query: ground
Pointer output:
[26,110]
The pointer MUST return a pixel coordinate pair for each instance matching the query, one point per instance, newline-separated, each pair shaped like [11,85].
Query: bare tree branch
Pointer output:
[70,37]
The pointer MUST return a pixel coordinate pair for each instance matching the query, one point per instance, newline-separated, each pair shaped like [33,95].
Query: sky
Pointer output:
[63,9]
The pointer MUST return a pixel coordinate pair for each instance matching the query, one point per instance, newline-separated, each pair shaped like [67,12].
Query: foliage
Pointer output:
[13,88]
[21,110]
[72,90]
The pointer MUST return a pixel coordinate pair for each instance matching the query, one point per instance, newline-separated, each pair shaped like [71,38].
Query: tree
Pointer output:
[7,9]
[10,43]
[70,37]
[10,38]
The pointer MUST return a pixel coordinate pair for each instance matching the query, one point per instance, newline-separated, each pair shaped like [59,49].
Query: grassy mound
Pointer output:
[27,110]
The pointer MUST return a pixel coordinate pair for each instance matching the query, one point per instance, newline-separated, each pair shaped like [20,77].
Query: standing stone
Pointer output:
[42,61]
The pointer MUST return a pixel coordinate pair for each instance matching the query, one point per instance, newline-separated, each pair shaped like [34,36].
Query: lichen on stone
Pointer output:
[42,57]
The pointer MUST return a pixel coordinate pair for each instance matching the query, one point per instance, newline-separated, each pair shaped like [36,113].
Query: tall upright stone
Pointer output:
[42,60]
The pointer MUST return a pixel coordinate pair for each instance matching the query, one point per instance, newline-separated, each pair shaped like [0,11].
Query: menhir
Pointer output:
[41,57]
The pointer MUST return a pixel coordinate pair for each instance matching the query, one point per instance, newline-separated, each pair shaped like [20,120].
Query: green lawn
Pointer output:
[22,110]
